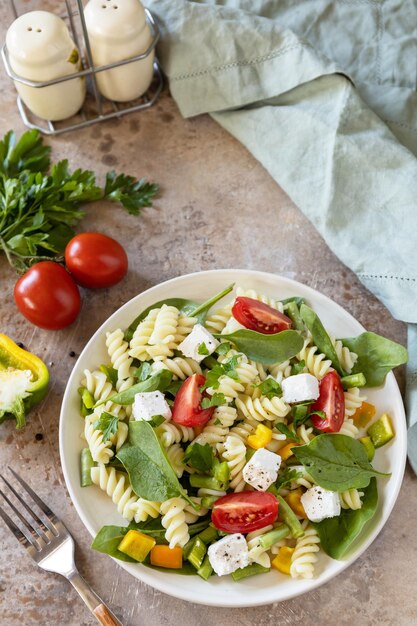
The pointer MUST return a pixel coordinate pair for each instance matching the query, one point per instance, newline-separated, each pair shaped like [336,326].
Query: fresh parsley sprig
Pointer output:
[39,210]
[108,424]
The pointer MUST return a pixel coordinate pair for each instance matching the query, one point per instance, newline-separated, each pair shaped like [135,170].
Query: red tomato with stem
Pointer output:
[258,316]
[47,296]
[245,511]
[95,260]
[332,402]
[187,409]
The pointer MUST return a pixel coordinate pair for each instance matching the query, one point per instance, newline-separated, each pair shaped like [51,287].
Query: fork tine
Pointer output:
[31,537]
[37,519]
[41,504]
[15,529]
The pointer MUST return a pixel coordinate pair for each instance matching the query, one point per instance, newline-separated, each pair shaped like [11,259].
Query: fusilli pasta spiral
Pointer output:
[235,455]
[316,363]
[173,520]
[118,352]
[303,558]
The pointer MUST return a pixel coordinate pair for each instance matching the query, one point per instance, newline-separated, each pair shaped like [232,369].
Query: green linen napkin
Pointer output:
[323,94]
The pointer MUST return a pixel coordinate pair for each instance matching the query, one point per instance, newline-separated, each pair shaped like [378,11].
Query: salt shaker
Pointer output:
[40,49]
[117,30]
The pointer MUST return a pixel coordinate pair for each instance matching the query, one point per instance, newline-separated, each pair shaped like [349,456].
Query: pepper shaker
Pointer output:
[117,30]
[40,49]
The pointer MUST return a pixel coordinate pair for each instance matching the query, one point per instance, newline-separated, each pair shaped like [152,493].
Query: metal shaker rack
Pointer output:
[96,108]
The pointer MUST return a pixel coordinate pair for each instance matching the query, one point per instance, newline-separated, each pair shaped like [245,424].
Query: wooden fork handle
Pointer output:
[92,600]
[104,616]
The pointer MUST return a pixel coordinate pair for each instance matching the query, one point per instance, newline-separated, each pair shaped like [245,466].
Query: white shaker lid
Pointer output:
[38,37]
[114,20]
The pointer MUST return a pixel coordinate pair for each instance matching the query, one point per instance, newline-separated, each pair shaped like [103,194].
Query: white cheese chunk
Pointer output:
[262,469]
[199,340]
[300,387]
[319,503]
[229,554]
[232,326]
[150,403]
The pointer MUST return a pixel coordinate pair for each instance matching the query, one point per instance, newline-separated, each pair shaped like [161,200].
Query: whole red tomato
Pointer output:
[95,260]
[47,296]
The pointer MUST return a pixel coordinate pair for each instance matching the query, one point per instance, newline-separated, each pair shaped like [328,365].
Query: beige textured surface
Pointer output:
[218,208]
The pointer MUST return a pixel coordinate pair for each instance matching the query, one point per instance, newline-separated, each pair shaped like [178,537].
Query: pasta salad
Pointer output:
[235,439]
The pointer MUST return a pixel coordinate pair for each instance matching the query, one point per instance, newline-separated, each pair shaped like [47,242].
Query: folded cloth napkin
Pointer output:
[323,94]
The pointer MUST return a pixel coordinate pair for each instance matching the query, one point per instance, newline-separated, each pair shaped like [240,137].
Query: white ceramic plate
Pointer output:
[97,510]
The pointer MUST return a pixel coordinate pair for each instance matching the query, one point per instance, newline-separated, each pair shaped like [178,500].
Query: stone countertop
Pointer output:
[218,208]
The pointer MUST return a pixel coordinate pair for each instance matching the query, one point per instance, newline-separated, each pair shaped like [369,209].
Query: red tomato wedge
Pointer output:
[258,316]
[332,401]
[245,511]
[187,409]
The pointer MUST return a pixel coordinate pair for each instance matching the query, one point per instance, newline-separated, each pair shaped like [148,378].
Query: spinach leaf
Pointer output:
[157,382]
[152,527]
[267,349]
[200,457]
[320,336]
[297,299]
[108,424]
[376,356]
[336,462]
[188,307]
[338,533]
[107,541]
[150,473]
[200,311]
[144,371]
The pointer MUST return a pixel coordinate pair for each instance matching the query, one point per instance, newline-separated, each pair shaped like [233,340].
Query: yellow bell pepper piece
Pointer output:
[164,556]
[286,451]
[261,438]
[363,414]
[282,561]
[293,499]
[136,545]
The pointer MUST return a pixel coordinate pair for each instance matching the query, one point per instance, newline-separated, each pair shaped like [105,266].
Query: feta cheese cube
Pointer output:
[194,342]
[229,554]
[232,326]
[150,403]
[300,387]
[319,503]
[262,469]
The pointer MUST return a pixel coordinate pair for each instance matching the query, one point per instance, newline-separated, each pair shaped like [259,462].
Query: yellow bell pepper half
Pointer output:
[23,381]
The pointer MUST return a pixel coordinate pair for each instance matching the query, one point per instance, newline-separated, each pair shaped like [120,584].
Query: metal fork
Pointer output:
[51,546]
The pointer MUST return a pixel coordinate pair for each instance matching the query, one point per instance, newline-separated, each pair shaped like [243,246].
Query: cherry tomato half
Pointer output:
[245,511]
[95,260]
[332,401]
[187,404]
[47,296]
[258,316]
